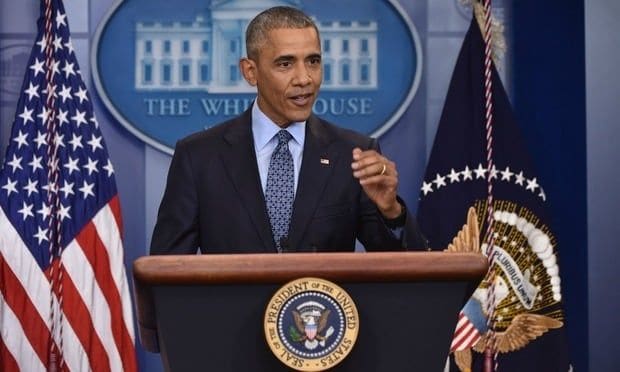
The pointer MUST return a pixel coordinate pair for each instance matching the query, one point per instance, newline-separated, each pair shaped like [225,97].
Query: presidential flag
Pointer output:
[64,298]
[525,305]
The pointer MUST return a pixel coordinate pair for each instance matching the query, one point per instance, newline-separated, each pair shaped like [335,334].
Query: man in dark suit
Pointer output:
[223,194]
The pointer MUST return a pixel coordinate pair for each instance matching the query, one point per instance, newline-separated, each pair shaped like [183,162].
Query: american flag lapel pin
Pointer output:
[324,161]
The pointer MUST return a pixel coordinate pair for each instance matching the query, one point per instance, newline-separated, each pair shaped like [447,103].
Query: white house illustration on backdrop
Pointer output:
[204,54]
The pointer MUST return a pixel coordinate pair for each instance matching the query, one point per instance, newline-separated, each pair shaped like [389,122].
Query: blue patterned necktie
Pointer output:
[279,193]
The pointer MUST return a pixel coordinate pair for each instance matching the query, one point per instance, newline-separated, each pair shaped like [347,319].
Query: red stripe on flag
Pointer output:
[115,206]
[7,362]
[463,322]
[17,299]
[76,313]
[465,340]
[96,253]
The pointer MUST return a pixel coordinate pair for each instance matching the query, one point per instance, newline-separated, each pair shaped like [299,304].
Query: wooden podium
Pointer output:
[205,312]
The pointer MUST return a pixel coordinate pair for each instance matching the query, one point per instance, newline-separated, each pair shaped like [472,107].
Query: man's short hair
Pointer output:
[271,19]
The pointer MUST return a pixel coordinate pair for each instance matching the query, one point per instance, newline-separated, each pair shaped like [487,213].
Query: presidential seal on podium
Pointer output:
[311,324]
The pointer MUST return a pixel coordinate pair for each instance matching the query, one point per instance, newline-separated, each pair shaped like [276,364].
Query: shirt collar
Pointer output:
[264,129]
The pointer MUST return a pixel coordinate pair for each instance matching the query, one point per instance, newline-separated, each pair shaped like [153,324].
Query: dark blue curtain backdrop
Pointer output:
[549,101]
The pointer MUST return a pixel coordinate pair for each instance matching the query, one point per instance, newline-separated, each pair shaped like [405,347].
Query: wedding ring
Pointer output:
[383,170]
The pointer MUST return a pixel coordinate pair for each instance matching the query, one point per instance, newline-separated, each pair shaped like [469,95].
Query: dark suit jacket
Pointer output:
[214,200]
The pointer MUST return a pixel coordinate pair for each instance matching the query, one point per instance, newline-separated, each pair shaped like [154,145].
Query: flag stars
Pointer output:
[45,211]
[62,117]
[32,91]
[67,189]
[72,165]
[87,189]
[480,171]
[42,44]
[519,178]
[91,166]
[55,68]
[531,184]
[57,43]
[81,94]
[59,140]
[454,176]
[76,141]
[35,163]
[37,67]
[41,235]
[79,118]
[63,212]
[60,19]
[108,167]
[53,188]
[467,175]
[65,93]
[26,211]
[40,140]
[427,188]
[68,69]
[21,139]
[52,87]
[542,194]
[31,187]
[26,115]
[43,115]
[507,174]
[69,45]
[95,142]
[15,163]
[439,181]
[10,187]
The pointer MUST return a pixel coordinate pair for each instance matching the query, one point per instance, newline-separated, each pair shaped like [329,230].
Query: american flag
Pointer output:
[64,299]
[466,334]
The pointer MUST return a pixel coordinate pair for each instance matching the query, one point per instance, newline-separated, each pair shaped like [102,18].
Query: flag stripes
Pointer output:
[466,335]
[6,358]
[16,354]
[86,260]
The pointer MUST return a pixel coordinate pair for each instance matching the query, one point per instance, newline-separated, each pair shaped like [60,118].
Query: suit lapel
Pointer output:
[239,160]
[317,166]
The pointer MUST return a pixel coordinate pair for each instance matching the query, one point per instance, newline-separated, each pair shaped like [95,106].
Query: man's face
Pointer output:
[287,74]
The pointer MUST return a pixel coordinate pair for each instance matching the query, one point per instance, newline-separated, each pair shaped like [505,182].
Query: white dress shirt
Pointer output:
[265,142]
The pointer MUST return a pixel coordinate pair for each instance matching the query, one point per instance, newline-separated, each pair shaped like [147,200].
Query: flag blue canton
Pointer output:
[85,180]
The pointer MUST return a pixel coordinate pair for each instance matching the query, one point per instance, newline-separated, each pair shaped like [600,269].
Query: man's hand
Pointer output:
[379,179]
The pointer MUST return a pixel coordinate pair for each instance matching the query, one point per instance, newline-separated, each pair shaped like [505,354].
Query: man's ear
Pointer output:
[248,69]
